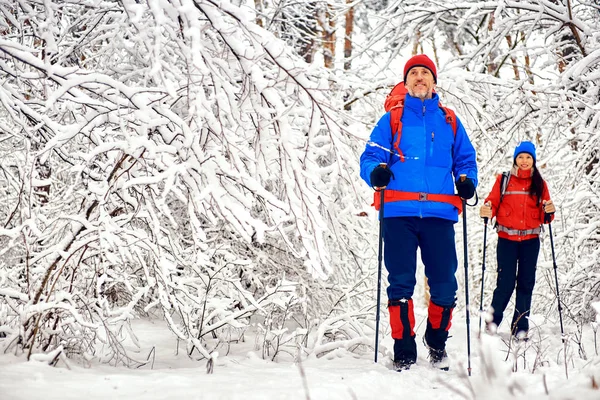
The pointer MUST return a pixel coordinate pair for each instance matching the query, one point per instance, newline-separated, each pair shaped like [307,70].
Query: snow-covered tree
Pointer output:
[167,156]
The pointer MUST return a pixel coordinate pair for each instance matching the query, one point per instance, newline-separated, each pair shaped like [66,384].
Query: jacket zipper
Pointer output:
[431,147]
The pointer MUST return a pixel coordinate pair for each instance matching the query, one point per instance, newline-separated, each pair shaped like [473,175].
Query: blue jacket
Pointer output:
[433,155]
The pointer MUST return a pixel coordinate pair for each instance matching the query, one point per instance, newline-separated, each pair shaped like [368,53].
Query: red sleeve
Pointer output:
[494,196]
[545,197]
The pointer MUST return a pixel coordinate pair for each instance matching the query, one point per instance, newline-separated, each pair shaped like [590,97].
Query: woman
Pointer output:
[520,212]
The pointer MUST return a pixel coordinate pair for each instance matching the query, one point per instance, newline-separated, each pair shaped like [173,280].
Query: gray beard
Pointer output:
[422,96]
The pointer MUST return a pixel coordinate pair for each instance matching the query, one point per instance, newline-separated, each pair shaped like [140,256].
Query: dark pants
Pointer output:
[516,265]
[435,236]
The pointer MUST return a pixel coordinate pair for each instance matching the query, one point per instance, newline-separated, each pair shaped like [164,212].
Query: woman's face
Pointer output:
[524,161]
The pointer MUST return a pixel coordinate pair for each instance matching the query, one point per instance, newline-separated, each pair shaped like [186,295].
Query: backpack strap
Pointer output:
[450,118]
[503,185]
[396,125]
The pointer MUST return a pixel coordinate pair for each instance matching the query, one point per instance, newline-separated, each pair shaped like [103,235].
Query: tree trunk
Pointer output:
[328,26]
[491,67]
[527,62]
[417,44]
[513,59]
[348,36]
[348,46]
[258,6]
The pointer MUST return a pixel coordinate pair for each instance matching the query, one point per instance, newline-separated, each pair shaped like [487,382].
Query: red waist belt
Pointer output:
[396,195]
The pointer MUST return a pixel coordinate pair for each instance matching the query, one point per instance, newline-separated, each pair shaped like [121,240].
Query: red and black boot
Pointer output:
[402,320]
[439,320]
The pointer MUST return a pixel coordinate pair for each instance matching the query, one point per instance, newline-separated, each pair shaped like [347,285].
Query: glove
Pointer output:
[465,189]
[381,176]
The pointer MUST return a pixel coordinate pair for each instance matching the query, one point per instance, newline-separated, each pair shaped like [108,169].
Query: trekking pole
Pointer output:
[379,258]
[485,221]
[466,258]
[547,218]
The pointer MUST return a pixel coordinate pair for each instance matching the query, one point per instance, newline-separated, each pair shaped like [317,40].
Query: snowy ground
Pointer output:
[242,374]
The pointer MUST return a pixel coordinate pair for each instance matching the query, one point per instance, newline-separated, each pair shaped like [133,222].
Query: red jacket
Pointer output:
[518,210]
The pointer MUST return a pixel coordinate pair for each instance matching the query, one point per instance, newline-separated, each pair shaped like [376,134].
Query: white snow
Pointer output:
[241,373]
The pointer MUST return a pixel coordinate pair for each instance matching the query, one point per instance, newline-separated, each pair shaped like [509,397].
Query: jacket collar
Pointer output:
[519,173]
[416,104]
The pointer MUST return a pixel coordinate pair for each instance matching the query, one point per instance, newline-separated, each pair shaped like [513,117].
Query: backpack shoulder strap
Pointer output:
[503,184]
[396,125]
[396,116]
[450,118]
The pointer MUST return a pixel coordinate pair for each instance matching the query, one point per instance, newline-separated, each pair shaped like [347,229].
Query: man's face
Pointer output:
[420,83]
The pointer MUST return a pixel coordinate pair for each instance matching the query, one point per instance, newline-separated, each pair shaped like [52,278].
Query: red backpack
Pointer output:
[394,102]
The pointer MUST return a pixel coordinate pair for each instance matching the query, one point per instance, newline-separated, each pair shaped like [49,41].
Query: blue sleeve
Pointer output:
[377,149]
[464,157]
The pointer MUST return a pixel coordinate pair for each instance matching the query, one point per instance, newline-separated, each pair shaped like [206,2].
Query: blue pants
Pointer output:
[435,237]
[516,265]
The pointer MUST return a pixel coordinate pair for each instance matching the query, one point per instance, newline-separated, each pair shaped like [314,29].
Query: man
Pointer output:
[420,208]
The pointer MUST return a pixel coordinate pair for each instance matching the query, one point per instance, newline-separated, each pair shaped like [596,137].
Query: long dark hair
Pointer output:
[537,183]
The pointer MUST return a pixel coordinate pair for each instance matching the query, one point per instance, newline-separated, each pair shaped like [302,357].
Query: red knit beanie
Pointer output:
[420,60]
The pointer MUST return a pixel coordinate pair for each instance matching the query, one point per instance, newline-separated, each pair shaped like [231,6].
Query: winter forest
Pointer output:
[195,162]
